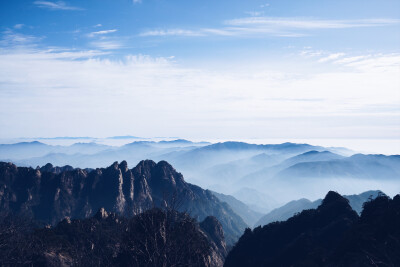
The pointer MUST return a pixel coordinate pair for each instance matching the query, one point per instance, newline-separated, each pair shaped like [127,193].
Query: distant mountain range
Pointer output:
[50,194]
[331,235]
[278,173]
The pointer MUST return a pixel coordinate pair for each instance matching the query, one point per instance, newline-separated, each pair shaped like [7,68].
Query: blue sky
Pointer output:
[200,69]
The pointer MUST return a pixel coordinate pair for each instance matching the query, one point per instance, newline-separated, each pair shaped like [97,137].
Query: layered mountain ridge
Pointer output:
[50,194]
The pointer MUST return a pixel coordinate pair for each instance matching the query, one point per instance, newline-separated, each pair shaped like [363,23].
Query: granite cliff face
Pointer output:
[153,238]
[49,194]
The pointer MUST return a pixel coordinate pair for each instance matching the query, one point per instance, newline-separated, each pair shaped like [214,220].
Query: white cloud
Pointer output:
[59,5]
[151,96]
[104,32]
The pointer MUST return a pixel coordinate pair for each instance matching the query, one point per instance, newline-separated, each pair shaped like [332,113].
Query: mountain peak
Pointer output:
[123,165]
[333,197]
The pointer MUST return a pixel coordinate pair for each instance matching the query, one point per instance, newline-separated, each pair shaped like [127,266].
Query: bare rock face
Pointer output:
[50,194]
[214,232]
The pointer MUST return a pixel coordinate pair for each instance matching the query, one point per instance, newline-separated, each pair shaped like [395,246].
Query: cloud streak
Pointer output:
[104,32]
[274,26]
[59,5]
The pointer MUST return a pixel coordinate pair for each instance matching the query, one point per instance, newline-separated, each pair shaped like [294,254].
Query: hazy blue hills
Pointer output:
[280,172]
[358,166]
[244,211]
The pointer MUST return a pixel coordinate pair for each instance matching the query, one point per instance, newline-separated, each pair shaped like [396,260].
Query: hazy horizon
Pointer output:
[360,145]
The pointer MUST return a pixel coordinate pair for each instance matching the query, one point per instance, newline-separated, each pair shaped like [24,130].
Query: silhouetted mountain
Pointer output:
[331,235]
[288,210]
[152,238]
[375,239]
[245,212]
[50,194]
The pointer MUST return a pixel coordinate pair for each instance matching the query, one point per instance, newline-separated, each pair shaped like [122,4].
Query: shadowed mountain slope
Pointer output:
[50,194]
[152,238]
[331,235]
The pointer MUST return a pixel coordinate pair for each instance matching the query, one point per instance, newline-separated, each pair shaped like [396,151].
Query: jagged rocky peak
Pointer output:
[54,169]
[115,165]
[47,168]
[160,174]
[123,166]
[165,171]
[145,165]
[51,196]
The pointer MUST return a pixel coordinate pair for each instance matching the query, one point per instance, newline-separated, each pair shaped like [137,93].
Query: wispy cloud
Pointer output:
[331,57]
[59,5]
[308,24]
[273,26]
[107,44]
[172,32]
[18,26]
[13,39]
[93,34]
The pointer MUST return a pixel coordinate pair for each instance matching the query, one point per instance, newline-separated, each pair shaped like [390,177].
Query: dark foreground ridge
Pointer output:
[153,238]
[331,235]
[50,194]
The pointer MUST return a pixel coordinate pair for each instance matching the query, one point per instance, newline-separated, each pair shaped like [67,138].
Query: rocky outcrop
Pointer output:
[50,194]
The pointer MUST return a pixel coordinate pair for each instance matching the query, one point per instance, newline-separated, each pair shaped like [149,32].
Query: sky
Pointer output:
[200,69]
